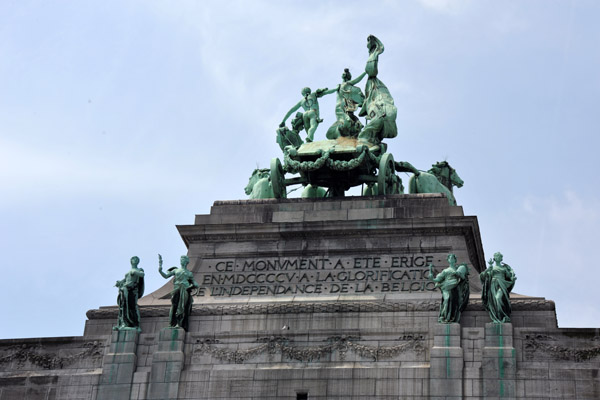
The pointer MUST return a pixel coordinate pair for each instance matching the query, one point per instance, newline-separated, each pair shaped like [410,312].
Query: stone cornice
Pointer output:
[333,307]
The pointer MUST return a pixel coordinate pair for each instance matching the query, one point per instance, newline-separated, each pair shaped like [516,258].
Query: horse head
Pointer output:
[257,175]
[446,175]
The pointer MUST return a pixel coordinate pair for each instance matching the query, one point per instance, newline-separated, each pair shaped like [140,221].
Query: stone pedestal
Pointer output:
[447,361]
[167,364]
[499,364]
[119,366]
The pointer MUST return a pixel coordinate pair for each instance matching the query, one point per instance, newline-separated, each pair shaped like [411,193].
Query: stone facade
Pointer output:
[317,299]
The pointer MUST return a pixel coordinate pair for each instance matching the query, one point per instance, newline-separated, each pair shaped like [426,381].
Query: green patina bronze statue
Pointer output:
[378,107]
[181,297]
[259,185]
[439,179]
[349,98]
[286,137]
[498,281]
[454,285]
[353,154]
[131,288]
[310,118]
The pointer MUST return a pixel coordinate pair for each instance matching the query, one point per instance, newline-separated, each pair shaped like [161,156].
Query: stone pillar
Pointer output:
[446,363]
[118,366]
[167,364]
[499,362]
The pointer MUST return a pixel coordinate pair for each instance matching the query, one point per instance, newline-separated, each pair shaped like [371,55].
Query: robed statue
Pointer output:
[181,297]
[131,288]
[454,285]
[498,281]
[378,107]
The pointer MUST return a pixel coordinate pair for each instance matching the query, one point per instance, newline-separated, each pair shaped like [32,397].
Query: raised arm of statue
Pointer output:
[357,79]
[292,110]
[375,47]
[324,91]
[168,274]
[327,91]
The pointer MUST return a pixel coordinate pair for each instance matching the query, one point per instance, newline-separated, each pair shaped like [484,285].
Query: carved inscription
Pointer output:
[288,276]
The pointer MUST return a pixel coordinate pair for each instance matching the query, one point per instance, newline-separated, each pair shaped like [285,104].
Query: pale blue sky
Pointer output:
[121,119]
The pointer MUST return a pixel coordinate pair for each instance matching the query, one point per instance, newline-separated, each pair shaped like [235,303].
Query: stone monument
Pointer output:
[331,297]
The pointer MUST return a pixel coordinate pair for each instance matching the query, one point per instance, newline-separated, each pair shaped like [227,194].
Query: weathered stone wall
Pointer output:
[51,368]
[358,344]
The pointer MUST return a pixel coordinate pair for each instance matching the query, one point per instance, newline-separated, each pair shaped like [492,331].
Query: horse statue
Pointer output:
[372,190]
[439,179]
[259,184]
[313,192]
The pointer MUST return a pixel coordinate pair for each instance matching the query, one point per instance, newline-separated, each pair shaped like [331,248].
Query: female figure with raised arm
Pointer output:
[181,298]
[378,108]
[349,98]
[498,281]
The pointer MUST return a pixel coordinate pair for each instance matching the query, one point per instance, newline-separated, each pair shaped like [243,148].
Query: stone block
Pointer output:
[446,388]
[116,358]
[125,373]
[158,372]
[264,389]
[242,374]
[387,387]
[446,368]
[375,373]
[288,216]
[163,391]
[124,336]
[537,388]
[587,389]
[447,341]
[326,215]
[339,387]
[446,330]
[410,387]
[499,367]
[315,388]
[173,371]
[193,390]
[499,352]
[363,387]
[472,372]
[171,334]
[171,346]
[167,356]
[577,374]
[562,389]
[122,347]
[446,352]
[109,392]
[413,373]
[366,213]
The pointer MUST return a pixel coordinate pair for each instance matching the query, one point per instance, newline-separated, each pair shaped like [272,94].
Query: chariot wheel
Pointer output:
[278,179]
[386,181]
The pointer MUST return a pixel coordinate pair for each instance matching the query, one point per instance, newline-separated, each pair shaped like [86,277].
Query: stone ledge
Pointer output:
[321,307]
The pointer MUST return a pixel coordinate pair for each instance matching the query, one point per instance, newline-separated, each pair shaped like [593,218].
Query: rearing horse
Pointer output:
[439,179]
